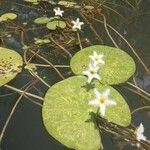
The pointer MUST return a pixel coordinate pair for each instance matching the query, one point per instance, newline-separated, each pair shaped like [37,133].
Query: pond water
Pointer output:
[25,130]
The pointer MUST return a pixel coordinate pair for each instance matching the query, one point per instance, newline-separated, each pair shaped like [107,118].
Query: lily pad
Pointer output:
[118,67]
[54,24]
[35,2]
[66,113]
[10,65]
[67,3]
[42,20]
[6,16]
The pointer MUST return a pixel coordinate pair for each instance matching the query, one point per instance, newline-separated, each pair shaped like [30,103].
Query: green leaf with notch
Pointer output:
[66,113]
[118,67]
[56,23]
[8,16]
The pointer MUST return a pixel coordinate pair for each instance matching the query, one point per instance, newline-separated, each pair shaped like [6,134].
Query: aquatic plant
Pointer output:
[80,106]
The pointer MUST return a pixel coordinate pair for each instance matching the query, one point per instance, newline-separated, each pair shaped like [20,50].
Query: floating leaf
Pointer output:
[42,20]
[54,24]
[118,67]
[10,65]
[67,4]
[6,16]
[35,2]
[66,113]
[61,24]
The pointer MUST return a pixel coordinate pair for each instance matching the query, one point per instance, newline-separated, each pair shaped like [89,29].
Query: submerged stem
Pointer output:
[9,117]
[129,83]
[26,93]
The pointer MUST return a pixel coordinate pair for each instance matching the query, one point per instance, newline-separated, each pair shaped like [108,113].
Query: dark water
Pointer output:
[25,130]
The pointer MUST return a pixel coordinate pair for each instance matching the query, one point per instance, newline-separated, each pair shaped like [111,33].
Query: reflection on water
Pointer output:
[25,130]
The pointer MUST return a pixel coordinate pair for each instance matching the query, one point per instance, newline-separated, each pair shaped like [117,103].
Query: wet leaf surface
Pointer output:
[66,113]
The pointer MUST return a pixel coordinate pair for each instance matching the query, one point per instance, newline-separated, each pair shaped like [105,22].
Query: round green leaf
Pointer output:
[61,24]
[10,65]
[7,16]
[56,23]
[67,3]
[118,67]
[52,25]
[66,113]
[42,20]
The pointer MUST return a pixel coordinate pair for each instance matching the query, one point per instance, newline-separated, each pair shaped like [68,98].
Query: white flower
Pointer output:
[58,12]
[139,133]
[77,24]
[102,100]
[97,59]
[92,73]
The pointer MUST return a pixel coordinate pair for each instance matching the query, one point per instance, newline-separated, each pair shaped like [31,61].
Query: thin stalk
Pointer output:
[9,117]
[107,31]
[34,102]
[61,47]
[38,77]
[91,27]
[57,66]
[136,92]
[139,109]
[107,7]
[129,83]
[79,40]
[26,93]
[126,1]
[49,64]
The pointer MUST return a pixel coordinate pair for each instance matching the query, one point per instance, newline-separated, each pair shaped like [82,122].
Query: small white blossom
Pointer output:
[92,73]
[58,12]
[102,100]
[97,59]
[139,133]
[77,24]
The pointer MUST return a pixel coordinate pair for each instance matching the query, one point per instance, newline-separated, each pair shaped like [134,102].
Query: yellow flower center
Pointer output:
[96,59]
[102,100]
[92,72]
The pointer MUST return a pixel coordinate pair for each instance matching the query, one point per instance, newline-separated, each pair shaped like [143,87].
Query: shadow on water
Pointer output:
[25,130]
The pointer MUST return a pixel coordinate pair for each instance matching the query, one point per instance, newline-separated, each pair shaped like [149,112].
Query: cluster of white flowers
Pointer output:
[76,24]
[101,99]
[92,71]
